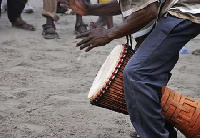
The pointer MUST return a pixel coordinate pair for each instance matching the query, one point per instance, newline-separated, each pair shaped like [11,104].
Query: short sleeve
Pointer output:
[140,4]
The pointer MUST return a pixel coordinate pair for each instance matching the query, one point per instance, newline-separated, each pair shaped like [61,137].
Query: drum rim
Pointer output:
[107,84]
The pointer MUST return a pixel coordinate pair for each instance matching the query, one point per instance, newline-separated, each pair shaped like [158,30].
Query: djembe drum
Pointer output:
[107,92]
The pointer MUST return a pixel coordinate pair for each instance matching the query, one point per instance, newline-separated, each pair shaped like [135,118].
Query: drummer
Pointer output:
[149,69]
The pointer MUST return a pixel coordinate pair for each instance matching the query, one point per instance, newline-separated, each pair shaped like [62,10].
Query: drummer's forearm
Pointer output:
[107,9]
[134,22]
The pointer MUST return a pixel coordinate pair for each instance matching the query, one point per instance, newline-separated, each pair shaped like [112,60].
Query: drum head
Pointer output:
[105,72]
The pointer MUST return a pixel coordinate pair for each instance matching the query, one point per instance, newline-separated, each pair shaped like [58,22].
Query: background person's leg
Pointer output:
[109,21]
[49,12]
[15,8]
[80,26]
[49,9]
[104,20]
[28,8]
[3,5]
[149,69]
[0,7]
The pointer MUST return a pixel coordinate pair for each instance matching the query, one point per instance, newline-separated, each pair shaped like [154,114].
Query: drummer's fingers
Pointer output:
[83,41]
[92,45]
[85,45]
[85,34]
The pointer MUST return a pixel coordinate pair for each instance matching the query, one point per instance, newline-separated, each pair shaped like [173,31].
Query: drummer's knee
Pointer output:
[126,73]
[130,72]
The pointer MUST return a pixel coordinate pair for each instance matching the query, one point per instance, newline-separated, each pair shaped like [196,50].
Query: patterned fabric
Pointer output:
[129,6]
[187,9]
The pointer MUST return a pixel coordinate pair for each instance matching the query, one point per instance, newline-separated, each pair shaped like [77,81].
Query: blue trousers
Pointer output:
[149,70]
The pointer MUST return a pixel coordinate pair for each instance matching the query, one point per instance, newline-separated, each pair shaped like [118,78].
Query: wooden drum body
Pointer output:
[182,112]
[107,92]
[107,88]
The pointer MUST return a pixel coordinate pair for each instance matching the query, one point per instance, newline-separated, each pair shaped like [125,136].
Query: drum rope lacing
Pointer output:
[129,41]
[98,99]
[107,84]
[112,77]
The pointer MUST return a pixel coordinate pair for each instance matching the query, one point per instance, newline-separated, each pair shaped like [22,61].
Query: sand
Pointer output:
[44,83]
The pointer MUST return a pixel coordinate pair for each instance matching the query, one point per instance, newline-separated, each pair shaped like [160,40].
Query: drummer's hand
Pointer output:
[94,38]
[77,6]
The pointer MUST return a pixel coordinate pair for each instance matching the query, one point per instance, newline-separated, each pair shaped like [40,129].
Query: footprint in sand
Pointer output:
[20,94]
[58,100]
[9,42]
[32,127]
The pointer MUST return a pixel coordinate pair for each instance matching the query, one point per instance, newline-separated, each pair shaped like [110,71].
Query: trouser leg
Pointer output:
[149,69]
[49,9]
[79,19]
[49,6]
[171,130]
[0,8]
[15,8]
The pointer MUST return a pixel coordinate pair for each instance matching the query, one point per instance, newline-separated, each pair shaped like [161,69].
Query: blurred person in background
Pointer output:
[49,12]
[104,20]
[80,26]
[14,9]
[60,9]
[28,8]
[3,5]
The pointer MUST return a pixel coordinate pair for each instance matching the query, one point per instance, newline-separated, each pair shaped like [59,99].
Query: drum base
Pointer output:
[182,112]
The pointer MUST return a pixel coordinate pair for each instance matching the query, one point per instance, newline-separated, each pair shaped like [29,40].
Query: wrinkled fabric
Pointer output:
[49,8]
[187,9]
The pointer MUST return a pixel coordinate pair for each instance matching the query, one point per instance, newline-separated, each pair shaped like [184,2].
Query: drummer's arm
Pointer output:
[135,22]
[101,36]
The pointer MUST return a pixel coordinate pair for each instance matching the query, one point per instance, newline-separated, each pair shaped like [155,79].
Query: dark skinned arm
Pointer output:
[83,8]
[136,21]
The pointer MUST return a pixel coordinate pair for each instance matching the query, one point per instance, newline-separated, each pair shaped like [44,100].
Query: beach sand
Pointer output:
[44,83]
